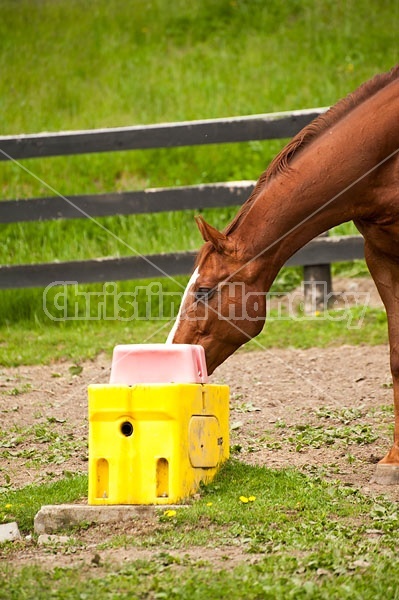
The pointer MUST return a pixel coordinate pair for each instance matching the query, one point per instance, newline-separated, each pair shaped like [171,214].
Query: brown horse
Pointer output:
[343,166]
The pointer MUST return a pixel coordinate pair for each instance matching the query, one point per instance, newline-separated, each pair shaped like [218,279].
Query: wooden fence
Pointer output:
[321,251]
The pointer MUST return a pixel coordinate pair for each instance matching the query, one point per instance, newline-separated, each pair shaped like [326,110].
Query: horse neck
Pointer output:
[290,212]
[332,180]
[273,232]
[293,216]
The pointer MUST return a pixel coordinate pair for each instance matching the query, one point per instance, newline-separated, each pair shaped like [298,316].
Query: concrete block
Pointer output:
[53,518]
[9,532]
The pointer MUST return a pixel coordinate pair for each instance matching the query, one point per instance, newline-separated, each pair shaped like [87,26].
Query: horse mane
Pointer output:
[206,249]
[282,162]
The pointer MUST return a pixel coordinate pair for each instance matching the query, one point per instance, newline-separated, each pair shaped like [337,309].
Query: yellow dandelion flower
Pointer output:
[209,503]
[252,498]
[8,505]
[169,513]
[244,499]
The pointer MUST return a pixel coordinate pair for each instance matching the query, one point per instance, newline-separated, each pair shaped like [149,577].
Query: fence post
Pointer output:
[317,286]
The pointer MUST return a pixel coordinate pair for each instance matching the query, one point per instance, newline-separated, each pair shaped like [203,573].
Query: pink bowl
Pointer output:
[158,363]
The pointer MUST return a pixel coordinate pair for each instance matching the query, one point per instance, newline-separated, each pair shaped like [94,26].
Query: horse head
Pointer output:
[223,305]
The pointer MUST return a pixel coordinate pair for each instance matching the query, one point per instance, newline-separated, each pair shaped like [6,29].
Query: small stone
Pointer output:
[51,540]
[9,532]
[362,564]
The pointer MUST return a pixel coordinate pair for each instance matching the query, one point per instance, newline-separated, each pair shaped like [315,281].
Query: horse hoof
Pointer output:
[386,474]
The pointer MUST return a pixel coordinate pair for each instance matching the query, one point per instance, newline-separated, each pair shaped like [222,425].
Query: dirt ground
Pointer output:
[324,411]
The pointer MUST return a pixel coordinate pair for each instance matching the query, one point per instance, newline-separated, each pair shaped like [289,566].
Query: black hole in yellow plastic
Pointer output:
[126,428]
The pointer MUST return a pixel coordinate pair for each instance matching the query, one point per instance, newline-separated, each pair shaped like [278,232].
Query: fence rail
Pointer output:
[238,129]
[151,200]
[165,135]
[319,251]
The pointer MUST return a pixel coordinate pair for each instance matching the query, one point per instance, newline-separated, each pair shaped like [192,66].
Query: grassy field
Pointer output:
[307,539]
[122,63]
[29,344]
[106,63]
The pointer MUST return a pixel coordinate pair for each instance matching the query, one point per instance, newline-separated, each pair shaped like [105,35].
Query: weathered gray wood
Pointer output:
[165,135]
[317,285]
[333,249]
[98,270]
[126,203]
[329,250]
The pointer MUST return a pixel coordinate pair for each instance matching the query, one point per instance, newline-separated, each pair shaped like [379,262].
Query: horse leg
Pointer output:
[385,273]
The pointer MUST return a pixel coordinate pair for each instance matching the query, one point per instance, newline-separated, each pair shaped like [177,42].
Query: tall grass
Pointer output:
[73,65]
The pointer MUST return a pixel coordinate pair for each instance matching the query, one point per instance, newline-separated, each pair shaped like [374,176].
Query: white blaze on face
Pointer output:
[193,279]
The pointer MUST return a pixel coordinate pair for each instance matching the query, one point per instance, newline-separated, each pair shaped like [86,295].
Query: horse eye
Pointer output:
[203,293]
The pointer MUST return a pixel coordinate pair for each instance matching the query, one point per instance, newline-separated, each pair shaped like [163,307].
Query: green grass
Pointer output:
[29,343]
[115,63]
[218,58]
[309,538]
[22,505]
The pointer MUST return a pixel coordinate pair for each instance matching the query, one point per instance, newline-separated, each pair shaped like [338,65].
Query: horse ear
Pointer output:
[211,234]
